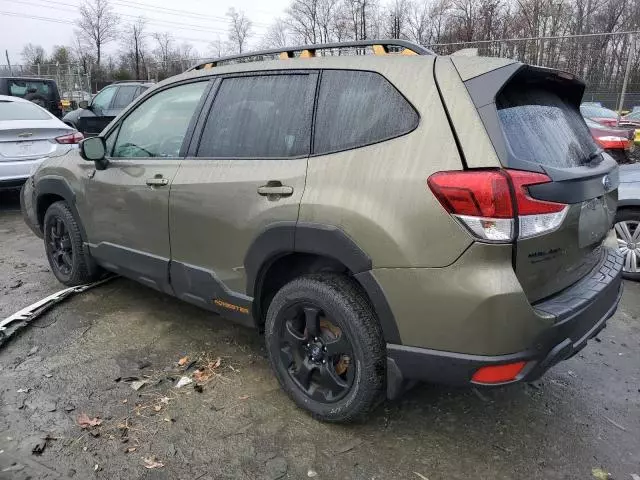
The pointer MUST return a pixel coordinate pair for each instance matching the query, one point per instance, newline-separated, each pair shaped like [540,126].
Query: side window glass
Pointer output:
[156,128]
[265,116]
[102,100]
[124,96]
[111,140]
[358,108]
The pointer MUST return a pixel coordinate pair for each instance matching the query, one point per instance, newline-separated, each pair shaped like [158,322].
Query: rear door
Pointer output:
[100,112]
[536,126]
[126,206]
[245,171]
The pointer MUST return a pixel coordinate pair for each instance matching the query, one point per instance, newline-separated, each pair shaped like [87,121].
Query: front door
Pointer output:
[128,202]
[245,171]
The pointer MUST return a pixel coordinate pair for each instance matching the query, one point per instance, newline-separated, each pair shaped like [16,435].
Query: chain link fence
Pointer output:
[602,61]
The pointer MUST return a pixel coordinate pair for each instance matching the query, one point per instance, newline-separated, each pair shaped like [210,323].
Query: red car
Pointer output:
[608,117]
[617,142]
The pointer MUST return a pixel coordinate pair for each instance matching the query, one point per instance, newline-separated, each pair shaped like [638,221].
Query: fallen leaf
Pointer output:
[130,449]
[422,477]
[157,408]
[201,376]
[152,462]
[312,473]
[96,467]
[85,422]
[124,401]
[600,474]
[23,390]
[243,397]
[217,363]
[183,361]
[165,400]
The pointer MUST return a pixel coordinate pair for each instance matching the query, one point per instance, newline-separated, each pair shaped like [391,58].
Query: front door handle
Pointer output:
[275,189]
[157,181]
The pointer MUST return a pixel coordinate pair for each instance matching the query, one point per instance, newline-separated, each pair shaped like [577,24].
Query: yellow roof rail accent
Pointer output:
[308,54]
[379,50]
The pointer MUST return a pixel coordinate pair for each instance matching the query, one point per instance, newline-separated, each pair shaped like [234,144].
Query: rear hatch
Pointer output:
[563,187]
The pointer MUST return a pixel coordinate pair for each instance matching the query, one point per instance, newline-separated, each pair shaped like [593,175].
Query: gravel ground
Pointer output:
[583,414]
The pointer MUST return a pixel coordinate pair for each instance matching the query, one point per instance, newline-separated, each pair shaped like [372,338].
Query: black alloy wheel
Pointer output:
[60,248]
[316,353]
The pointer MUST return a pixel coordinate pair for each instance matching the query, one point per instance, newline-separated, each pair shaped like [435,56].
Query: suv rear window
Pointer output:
[541,127]
[125,96]
[357,108]
[20,88]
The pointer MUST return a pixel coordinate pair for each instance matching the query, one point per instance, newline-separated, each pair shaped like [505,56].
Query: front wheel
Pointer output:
[326,347]
[627,227]
[63,246]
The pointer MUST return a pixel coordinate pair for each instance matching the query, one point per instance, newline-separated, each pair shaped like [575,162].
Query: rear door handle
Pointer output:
[157,182]
[275,189]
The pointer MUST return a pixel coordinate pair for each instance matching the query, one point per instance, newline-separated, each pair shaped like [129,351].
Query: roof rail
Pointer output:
[380,47]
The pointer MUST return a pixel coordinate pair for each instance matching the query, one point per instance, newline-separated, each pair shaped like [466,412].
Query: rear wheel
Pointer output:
[64,248]
[627,227]
[326,347]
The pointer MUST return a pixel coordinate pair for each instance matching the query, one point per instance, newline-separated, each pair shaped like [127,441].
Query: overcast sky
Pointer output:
[195,21]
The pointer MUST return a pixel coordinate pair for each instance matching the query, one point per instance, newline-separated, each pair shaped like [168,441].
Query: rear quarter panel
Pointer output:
[378,194]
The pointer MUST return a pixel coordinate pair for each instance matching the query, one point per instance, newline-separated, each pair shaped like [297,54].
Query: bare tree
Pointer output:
[218,47]
[164,47]
[239,30]
[134,43]
[98,24]
[33,54]
[277,35]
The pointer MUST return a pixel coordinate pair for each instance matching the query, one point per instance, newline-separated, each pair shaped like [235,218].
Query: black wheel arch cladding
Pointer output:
[282,238]
[59,187]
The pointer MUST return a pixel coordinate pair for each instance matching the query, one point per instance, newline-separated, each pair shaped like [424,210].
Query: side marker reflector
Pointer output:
[498,373]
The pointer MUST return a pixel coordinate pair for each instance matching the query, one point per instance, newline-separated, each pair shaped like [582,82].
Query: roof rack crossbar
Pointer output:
[130,81]
[380,47]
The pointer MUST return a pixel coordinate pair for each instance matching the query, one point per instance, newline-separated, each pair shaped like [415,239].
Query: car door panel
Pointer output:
[128,202]
[248,174]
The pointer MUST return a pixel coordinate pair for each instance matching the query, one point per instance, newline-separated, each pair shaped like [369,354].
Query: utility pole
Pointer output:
[625,81]
[6,53]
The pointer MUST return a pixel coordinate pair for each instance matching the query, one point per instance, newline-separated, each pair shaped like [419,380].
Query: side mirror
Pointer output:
[83,104]
[93,149]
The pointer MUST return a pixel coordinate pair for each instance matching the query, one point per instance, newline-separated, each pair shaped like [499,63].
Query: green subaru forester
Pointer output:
[383,218]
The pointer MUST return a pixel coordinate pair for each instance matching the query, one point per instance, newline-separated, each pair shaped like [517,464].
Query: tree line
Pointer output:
[442,24]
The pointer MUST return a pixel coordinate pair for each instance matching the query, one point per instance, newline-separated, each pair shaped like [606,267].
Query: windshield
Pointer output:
[598,112]
[543,128]
[21,111]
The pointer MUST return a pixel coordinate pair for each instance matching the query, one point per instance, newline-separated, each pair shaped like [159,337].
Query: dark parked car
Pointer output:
[92,117]
[617,142]
[41,91]
[628,220]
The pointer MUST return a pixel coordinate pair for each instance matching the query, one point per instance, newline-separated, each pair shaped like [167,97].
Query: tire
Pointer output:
[629,218]
[62,234]
[346,324]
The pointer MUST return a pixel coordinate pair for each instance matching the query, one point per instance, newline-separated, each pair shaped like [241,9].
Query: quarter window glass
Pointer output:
[260,117]
[124,96]
[103,98]
[157,127]
[359,108]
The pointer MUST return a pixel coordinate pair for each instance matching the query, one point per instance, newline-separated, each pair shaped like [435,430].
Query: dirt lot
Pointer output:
[584,414]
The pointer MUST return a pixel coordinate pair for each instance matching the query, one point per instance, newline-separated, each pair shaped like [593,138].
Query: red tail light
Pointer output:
[609,141]
[72,138]
[482,200]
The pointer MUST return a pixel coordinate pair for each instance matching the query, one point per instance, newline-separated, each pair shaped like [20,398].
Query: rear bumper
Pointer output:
[15,173]
[580,313]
